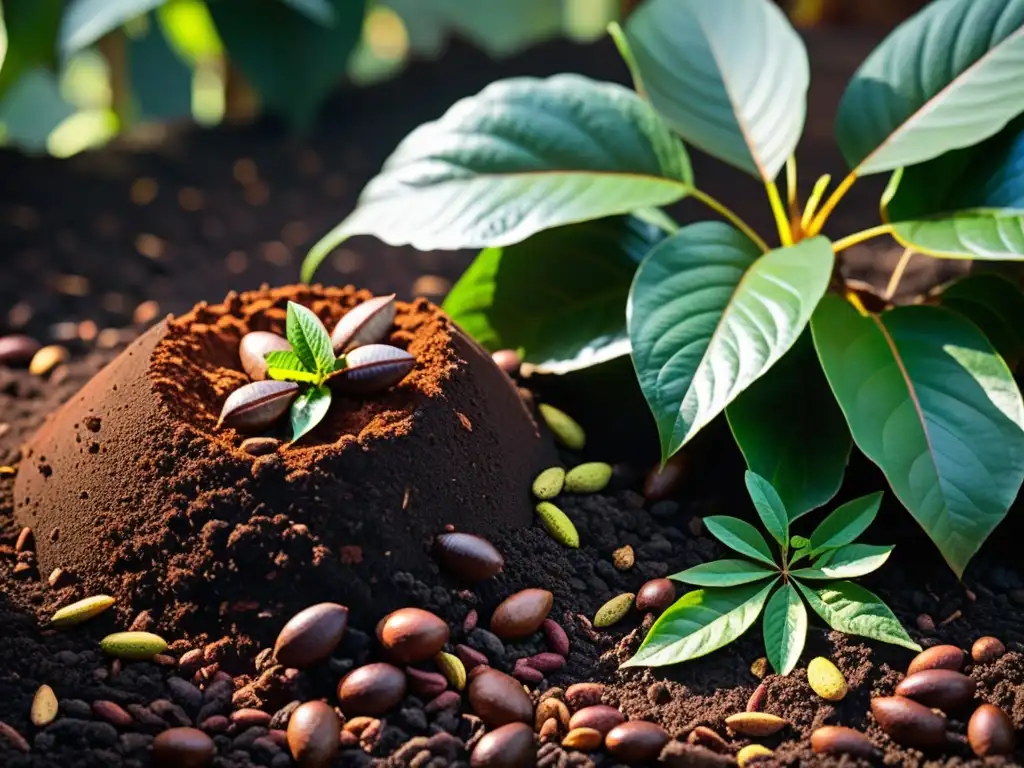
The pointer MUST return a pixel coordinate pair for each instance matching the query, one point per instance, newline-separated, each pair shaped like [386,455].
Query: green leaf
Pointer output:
[947,78]
[769,507]
[931,402]
[968,203]
[708,315]
[724,573]
[290,374]
[785,629]
[792,432]
[845,523]
[522,156]
[292,78]
[740,536]
[309,339]
[286,366]
[847,562]
[86,21]
[320,11]
[31,38]
[700,622]
[849,608]
[161,81]
[730,77]
[558,297]
[309,409]
[799,542]
[996,306]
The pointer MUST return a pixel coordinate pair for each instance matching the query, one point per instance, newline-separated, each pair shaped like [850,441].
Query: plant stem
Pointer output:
[619,37]
[791,200]
[731,216]
[826,210]
[860,237]
[897,274]
[812,202]
[781,220]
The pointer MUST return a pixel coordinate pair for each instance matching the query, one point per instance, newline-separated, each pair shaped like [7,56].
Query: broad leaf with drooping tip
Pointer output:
[845,523]
[724,573]
[849,608]
[947,78]
[769,507]
[730,77]
[996,306]
[708,315]
[739,536]
[701,622]
[559,297]
[785,629]
[309,409]
[932,403]
[521,156]
[847,562]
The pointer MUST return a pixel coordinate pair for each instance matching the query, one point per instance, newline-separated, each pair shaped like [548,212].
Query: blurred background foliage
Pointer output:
[76,73]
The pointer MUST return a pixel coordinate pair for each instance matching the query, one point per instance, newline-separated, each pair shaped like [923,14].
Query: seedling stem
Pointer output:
[727,213]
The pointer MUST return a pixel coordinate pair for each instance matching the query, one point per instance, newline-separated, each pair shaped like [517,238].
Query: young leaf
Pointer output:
[785,629]
[845,523]
[724,573]
[86,21]
[740,536]
[799,542]
[700,622]
[769,508]
[849,608]
[730,77]
[309,339]
[285,360]
[996,306]
[708,315]
[791,431]
[309,409]
[522,156]
[558,297]
[947,78]
[847,562]
[31,38]
[931,402]
[964,204]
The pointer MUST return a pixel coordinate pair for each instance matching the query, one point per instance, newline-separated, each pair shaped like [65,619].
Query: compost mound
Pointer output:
[134,491]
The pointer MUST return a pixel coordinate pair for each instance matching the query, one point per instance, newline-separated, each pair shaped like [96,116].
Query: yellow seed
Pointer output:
[46,359]
[549,483]
[583,739]
[563,427]
[588,478]
[133,645]
[755,723]
[826,680]
[81,611]
[44,707]
[452,668]
[623,558]
[6,471]
[753,753]
[759,668]
[558,525]
[614,610]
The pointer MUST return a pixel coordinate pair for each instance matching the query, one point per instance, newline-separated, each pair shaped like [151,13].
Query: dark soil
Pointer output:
[84,258]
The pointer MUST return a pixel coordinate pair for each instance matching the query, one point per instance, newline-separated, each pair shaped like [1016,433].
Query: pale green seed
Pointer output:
[452,668]
[549,483]
[558,525]
[753,753]
[563,427]
[588,478]
[133,645]
[826,680]
[614,610]
[81,611]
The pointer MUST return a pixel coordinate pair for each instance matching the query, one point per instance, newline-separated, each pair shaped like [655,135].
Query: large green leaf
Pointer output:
[849,608]
[930,401]
[947,78]
[785,629]
[849,562]
[994,304]
[769,507]
[708,315]
[845,523]
[700,622]
[293,61]
[86,21]
[521,156]
[558,297]
[731,77]
[31,37]
[740,536]
[791,431]
[724,573]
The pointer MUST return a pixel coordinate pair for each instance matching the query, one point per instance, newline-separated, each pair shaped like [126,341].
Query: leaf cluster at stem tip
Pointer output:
[733,592]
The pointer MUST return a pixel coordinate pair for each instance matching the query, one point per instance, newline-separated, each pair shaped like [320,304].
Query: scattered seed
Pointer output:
[527,674]
[373,368]
[55,577]
[938,657]
[839,740]
[755,724]
[591,477]
[133,645]
[614,610]
[558,525]
[623,558]
[17,348]
[425,684]
[410,635]
[636,741]
[552,709]
[44,707]
[664,483]
[759,667]
[563,427]
[702,736]
[987,649]
[8,471]
[81,611]
[452,668]
[468,557]
[583,739]
[925,623]
[558,641]
[655,596]
[366,323]
[253,350]
[941,688]
[446,700]
[46,359]
[371,690]
[756,701]
[545,662]
[310,636]
[548,732]
[469,622]
[909,723]
[580,695]
[25,541]
[510,745]
[753,753]
[549,483]
[257,405]
[112,713]
[498,699]
[600,717]
[259,446]
[183,748]
[826,680]
[520,614]
[14,738]
[990,732]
